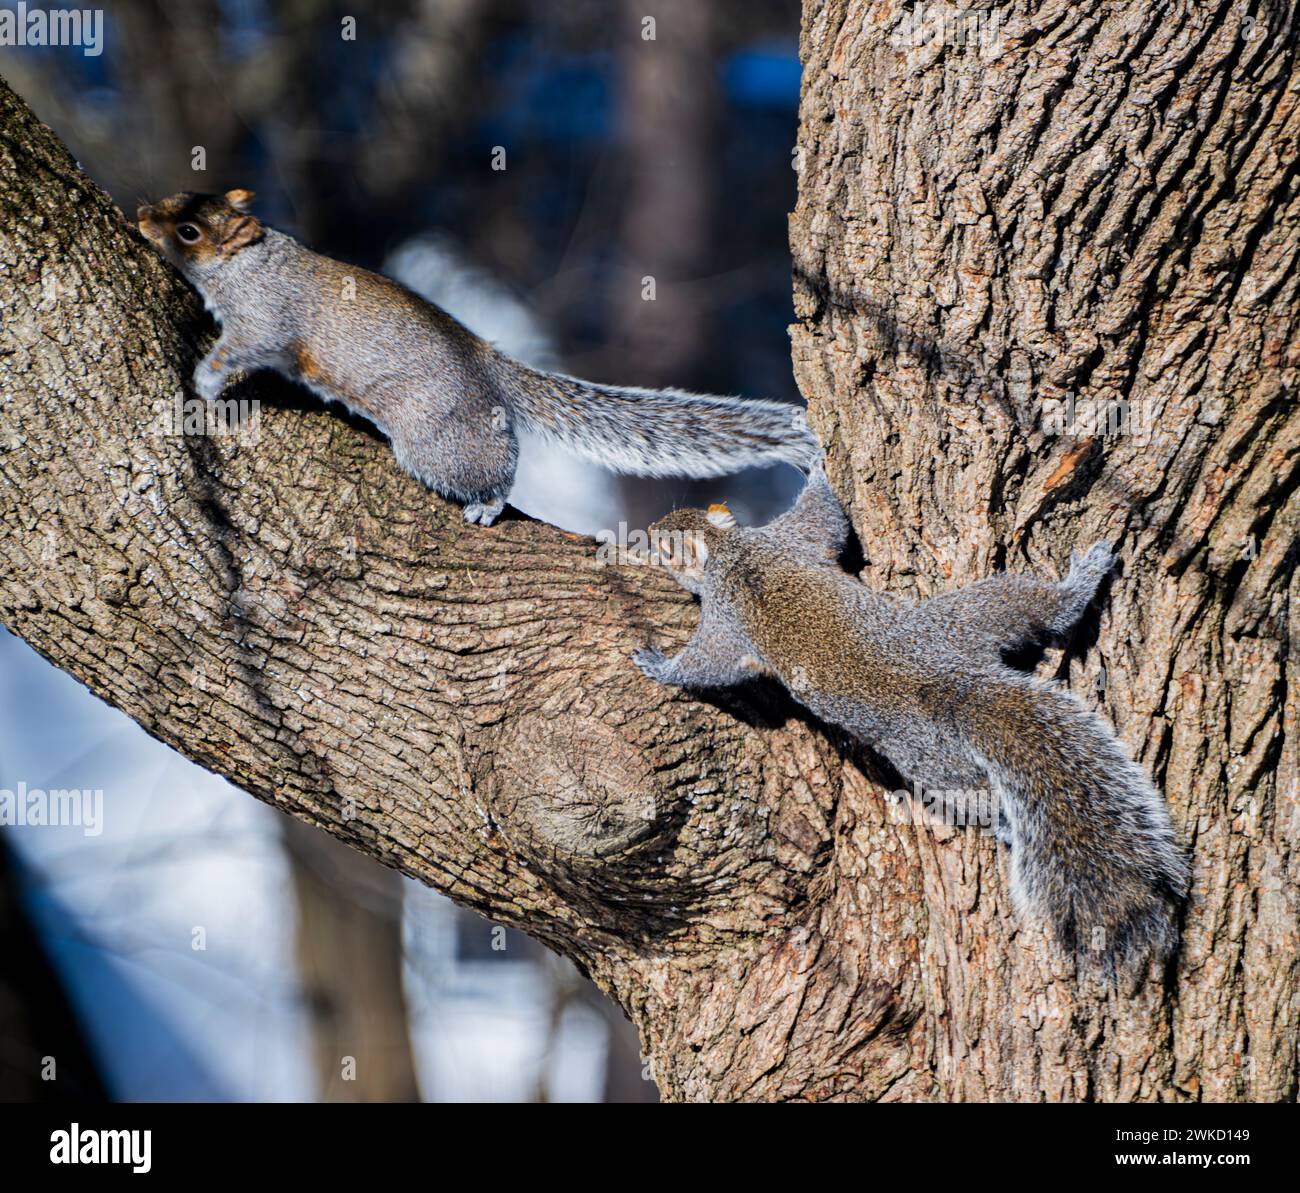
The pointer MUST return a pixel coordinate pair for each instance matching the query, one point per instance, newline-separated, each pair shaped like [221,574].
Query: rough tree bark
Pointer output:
[1093,199]
[972,237]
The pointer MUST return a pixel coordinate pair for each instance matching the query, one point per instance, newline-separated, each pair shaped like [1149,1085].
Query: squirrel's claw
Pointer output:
[1099,557]
[208,383]
[483,512]
[1089,569]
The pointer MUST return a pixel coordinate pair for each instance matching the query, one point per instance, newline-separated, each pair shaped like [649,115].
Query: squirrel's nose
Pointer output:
[143,213]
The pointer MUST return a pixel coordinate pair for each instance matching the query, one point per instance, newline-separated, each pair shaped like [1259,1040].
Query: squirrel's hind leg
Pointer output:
[1009,612]
[1076,591]
[816,522]
[468,455]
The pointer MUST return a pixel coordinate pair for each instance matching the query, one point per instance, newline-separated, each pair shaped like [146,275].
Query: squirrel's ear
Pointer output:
[240,199]
[720,516]
[241,232]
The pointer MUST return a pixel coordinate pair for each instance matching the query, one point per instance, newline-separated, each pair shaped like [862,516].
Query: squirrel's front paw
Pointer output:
[208,381]
[654,663]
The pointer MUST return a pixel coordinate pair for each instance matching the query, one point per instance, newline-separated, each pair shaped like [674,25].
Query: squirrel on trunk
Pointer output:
[447,400]
[1092,850]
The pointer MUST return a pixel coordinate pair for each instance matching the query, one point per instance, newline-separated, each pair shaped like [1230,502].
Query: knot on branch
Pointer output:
[571,792]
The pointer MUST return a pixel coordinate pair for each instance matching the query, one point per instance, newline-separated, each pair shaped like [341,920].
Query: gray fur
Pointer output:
[448,401]
[658,432]
[1092,850]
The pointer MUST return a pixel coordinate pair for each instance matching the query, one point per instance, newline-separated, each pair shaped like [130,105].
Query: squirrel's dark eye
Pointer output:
[187,232]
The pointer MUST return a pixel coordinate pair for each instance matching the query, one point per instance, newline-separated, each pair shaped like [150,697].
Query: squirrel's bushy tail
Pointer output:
[659,432]
[1093,850]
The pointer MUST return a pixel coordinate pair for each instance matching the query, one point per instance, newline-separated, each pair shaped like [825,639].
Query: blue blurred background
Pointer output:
[204,946]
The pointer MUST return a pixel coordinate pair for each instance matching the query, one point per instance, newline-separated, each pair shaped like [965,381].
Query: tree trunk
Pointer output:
[668,98]
[1085,205]
[300,616]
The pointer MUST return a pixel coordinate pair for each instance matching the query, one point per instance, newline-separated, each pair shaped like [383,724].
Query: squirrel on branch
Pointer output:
[1092,850]
[448,401]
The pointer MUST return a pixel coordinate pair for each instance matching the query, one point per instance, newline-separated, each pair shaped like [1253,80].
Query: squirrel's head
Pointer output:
[196,232]
[685,540]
